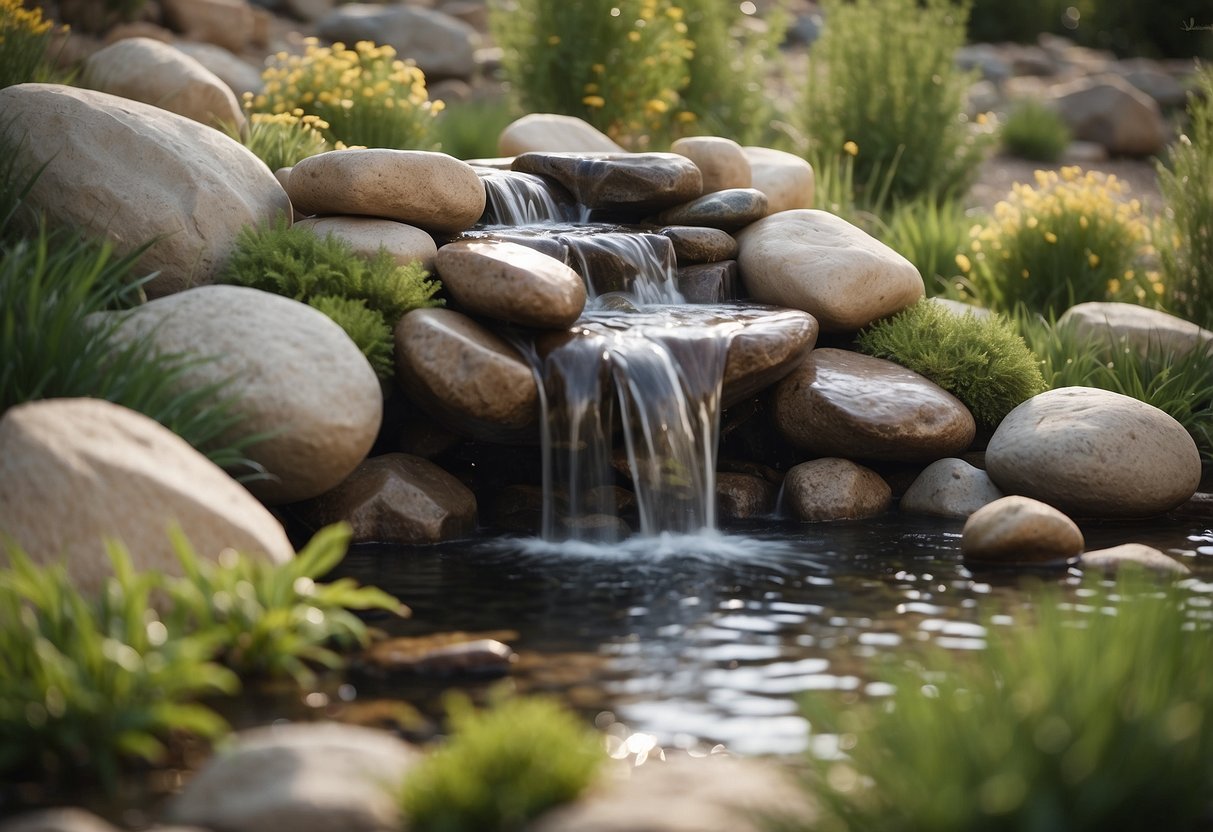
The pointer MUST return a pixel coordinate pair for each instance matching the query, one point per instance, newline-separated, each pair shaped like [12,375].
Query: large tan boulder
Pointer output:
[1146,331]
[785,178]
[143,69]
[722,162]
[820,263]
[76,472]
[134,173]
[1094,453]
[441,45]
[229,68]
[1019,531]
[227,23]
[433,191]
[548,132]
[299,379]
[511,283]
[1110,111]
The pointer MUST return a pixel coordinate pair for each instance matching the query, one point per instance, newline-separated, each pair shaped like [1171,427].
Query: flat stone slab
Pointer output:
[637,182]
[727,210]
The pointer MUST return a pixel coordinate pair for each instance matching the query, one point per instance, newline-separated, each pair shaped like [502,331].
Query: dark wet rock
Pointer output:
[442,46]
[447,654]
[1094,453]
[552,246]
[840,403]
[1020,531]
[744,496]
[511,283]
[694,244]
[709,282]
[1131,556]
[397,498]
[465,376]
[765,351]
[727,210]
[604,527]
[949,488]
[835,489]
[635,182]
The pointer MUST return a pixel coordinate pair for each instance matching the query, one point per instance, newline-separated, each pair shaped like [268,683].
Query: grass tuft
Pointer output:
[1035,132]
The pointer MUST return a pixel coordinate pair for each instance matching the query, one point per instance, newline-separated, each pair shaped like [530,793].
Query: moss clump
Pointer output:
[981,360]
[501,768]
[298,264]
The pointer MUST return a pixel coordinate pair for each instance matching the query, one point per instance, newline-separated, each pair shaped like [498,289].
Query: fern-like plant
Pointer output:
[366,328]
[299,264]
[501,768]
[981,360]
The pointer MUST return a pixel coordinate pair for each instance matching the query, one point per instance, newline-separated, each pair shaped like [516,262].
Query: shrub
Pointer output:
[1070,238]
[932,235]
[365,95]
[981,360]
[994,21]
[501,768]
[281,140]
[1186,236]
[618,64]
[883,76]
[24,40]
[1035,132]
[366,328]
[1093,716]
[469,129]
[299,264]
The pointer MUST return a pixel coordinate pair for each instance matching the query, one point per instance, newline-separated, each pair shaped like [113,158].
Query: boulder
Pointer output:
[785,178]
[744,496]
[299,379]
[722,162]
[709,282]
[635,182]
[1109,110]
[397,498]
[76,472]
[300,777]
[406,243]
[551,133]
[835,489]
[227,23]
[1094,453]
[58,820]
[442,46]
[949,488]
[700,245]
[1019,531]
[511,283]
[1131,556]
[237,73]
[155,73]
[433,191]
[1147,331]
[727,210]
[815,261]
[134,173]
[466,376]
[766,349]
[841,403]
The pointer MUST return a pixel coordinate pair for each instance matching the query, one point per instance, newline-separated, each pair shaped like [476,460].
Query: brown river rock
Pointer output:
[640,182]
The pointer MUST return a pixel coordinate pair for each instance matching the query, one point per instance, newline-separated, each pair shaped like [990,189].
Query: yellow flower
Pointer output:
[595,101]
[1113,287]
[1025,274]
[964,263]
[686,116]
[656,105]
[850,148]
[1050,237]
[553,40]
[634,36]
[1093,260]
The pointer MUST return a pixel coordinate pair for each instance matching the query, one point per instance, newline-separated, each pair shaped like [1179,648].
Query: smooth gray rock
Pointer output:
[1019,531]
[949,488]
[727,210]
[442,46]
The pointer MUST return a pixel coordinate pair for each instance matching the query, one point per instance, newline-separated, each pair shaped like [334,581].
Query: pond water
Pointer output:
[695,642]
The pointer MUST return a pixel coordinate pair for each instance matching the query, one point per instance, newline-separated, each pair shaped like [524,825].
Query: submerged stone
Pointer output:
[1020,531]
[635,182]
[709,282]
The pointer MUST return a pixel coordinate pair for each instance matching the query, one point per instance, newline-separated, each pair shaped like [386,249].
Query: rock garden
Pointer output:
[654,414]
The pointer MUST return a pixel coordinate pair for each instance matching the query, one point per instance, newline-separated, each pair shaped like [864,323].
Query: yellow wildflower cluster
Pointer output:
[283,139]
[15,18]
[1070,236]
[365,95]
[24,38]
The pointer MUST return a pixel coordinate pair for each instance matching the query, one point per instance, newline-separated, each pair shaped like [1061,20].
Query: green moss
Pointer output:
[366,328]
[501,768]
[982,361]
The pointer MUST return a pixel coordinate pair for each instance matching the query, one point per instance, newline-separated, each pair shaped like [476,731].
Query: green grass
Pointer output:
[25,37]
[930,234]
[1091,715]
[469,129]
[982,361]
[1035,132]
[283,140]
[501,768]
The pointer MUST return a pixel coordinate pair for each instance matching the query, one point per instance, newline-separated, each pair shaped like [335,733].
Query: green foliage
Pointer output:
[932,235]
[1179,385]
[1035,131]
[281,140]
[99,16]
[88,684]
[271,619]
[981,360]
[366,328]
[1185,239]
[298,264]
[883,76]
[469,129]
[365,96]
[1069,238]
[618,64]
[995,21]
[501,768]
[24,41]
[1095,716]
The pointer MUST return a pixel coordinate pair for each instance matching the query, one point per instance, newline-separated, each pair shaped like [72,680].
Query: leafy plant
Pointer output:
[1069,238]
[883,77]
[1034,131]
[88,684]
[366,328]
[24,41]
[618,64]
[934,236]
[981,360]
[1185,240]
[366,95]
[1179,385]
[1093,716]
[302,265]
[501,768]
[281,140]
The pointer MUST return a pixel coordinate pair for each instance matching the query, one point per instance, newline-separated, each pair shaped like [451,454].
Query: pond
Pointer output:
[698,642]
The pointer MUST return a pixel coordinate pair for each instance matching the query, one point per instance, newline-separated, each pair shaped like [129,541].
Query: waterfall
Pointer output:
[522,199]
